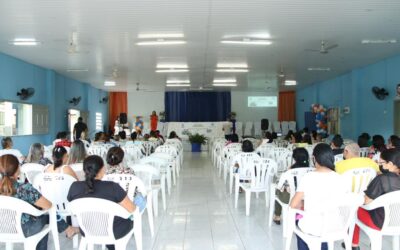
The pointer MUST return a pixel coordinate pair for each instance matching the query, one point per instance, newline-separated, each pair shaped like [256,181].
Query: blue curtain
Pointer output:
[197,106]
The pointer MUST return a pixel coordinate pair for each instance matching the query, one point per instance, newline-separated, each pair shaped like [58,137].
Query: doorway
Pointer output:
[73,115]
[396,117]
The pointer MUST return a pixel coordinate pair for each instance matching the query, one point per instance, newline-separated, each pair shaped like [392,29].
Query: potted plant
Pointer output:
[196,140]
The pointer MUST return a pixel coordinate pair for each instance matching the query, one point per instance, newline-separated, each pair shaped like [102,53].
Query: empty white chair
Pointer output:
[173,151]
[172,162]
[96,217]
[336,220]
[260,177]
[285,127]
[265,150]
[130,183]
[30,170]
[55,188]
[292,126]
[277,127]
[239,128]
[241,160]
[357,179]
[257,129]
[391,225]
[11,210]
[283,158]
[164,166]
[248,129]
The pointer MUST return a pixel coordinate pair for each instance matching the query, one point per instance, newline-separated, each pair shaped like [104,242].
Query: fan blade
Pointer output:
[331,47]
[312,50]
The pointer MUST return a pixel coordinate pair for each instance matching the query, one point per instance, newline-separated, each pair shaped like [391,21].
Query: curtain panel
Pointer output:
[117,103]
[287,106]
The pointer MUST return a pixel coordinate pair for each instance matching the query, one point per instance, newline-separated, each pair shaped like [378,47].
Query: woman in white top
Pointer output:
[7,145]
[60,158]
[316,191]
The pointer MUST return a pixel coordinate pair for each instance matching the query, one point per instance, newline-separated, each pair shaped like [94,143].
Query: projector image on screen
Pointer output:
[262,101]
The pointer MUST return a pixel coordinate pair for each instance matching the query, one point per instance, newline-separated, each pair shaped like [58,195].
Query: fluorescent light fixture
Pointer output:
[24,42]
[232,70]
[160,42]
[224,84]
[290,83]
[319,69]
[178,85]
[171,70]
[378,41]
[232,65]
[226,80]
[160,35]
[77,70]
[248,41]
[172,66]
[109,83]
[178,81]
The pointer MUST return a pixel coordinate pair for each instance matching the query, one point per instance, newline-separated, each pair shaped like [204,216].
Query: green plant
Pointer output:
[197,138]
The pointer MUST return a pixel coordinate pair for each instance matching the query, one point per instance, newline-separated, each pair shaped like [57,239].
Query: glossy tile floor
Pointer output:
[200,215]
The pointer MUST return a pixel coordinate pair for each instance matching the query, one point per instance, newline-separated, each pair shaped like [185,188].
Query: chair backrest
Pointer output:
[168,149]
[129,183]
[48,151]
[248,128]
[148,147]
[357,179]
[11,210]
[364,152]
[78,169]
[293,178]
[284,159]
[100,150]
[391,204]
[55,188]
[285,127]
[338,157]
[95,218]
[146,173]
[30,170]
[245,159]
[265,150]
[277,126]
[156,162]
[133,152]
[292,125]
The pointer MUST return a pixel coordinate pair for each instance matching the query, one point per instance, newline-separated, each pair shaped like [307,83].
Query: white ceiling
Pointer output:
[108,30]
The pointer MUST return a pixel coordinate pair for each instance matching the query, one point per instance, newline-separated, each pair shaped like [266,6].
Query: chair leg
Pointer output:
[137,229]
[9,246]
[266,199]
[75,239]
[236,191]
[174,174]
[149,208]
[376,242]
[163,198]
[271,207]
[53,226]
[83,244]
[168,180]
[155,202]
[230,182]
[395,242]
[248,198]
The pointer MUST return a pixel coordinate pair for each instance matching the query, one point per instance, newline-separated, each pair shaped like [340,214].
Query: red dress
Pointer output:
[153,122]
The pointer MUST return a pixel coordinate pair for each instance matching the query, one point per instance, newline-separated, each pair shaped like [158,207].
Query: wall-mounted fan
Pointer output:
[104,99]
[25,94]
[324,49]
[75,100]
[379,93]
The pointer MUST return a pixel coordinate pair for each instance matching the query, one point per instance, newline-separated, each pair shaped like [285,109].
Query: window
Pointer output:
[99,121]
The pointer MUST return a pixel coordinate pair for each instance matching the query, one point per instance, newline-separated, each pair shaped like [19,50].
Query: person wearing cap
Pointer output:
[352,160]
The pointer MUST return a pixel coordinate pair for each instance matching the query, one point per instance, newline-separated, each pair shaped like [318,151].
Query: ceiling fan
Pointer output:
[73,47]
[281,74]
[324,49]
[138,88]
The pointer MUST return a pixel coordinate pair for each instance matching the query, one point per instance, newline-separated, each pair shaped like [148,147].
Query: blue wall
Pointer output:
[367,114]
[52,90]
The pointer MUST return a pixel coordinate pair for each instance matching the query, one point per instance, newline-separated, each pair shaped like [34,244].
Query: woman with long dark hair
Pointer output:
[60,158]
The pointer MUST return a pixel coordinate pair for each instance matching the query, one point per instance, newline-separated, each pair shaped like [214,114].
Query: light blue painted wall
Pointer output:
[51,89]
[353,89]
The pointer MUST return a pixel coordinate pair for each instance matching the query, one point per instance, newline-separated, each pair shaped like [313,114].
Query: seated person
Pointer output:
[378,146]
[77,153]
[352,159]
[153,136]
[64,142]
[393,142]
[94,187]
[268,138]
[234,138]
[301,160]
[387,182]
[139,125]
[99,138]
[114,158]
[122,136]
[336,145]
[316,190]
[7,145]
[307,139]
[36,155]
[173,135]
[60,158]
[9,186]
[159,135]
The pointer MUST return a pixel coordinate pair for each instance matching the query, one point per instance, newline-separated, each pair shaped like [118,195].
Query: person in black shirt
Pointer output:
[94,187]
[336,145]
[79,127]
[387,182]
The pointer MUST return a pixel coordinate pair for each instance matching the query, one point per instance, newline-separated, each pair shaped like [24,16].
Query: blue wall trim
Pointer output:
[353,89]
[51,89]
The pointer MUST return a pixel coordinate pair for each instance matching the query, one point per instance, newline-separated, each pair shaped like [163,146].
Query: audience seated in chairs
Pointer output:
[378,145]
[393,142]
[60,158]
[36,155]
[234,138]
[63,140]
[307,139]
[94,187]
[315,190]
[7,145]
[301,160]
[9,186]
[115,157]
[387,182]
[173,135]
[77,153]
[337,144]
[352,159]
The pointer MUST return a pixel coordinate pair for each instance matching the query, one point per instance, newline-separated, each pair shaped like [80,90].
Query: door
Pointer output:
[396,117]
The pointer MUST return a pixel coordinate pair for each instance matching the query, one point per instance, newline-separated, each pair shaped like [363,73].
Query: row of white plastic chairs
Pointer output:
[156,171]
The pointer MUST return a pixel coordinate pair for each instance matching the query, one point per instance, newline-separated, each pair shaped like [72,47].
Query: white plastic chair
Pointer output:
[241,160]
[341,211]
[364,152]
[277,127]
[292,125]
[338,157]
[173,151]
[239,128]
[100,150]
[285,127]
[11,210]
[133,153]
[30,170]
[96,216]
[129,183]
[257,129]
[260,176]
[55,188]
[283,158]
[165,169]
[171,164]
[265,150]
[357,179]
[248,129]
[292,178]
[391,225]
[78,169]
[148,174]
[223,163]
